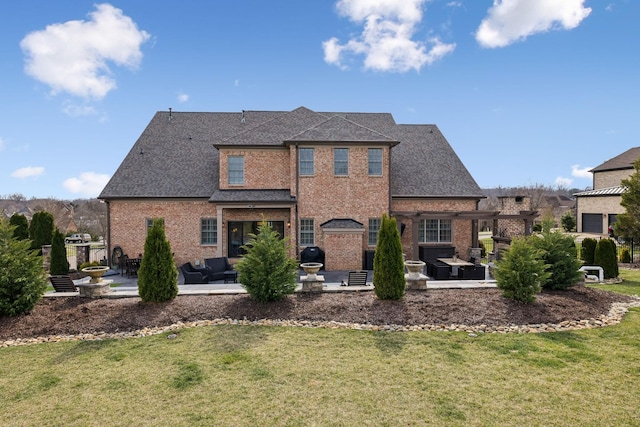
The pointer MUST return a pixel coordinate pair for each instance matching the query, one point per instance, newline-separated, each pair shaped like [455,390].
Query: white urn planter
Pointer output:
[311,268]
[415,268]
[414,278]
[312,282]
[96,273]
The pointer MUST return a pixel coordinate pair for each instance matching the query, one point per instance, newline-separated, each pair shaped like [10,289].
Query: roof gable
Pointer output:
[621,161]
[277,130]
[339,129]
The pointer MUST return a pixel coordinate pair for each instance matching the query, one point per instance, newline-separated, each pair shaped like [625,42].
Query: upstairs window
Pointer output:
[236,170]
[306,161]
[375,161]
[341,161]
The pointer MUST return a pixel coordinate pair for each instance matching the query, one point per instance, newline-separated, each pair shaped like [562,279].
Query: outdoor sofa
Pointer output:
[219,268]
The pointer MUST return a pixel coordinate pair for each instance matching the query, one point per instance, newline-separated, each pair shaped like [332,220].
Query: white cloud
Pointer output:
[73,56]
[74,110]
[28,172]
[183,97]
[562,182]
[236,82]
[581,172]
[386,40]
[89,184]
[1,144]
[509,21]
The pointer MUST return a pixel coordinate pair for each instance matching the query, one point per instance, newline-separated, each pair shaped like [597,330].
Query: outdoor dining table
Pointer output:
[455,264]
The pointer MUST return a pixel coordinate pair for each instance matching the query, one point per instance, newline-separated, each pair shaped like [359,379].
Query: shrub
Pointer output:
[22,277]
[588,250]
[605,257]
[41,230]
[21,224]
[88,264]
[537,227]
[521,272]
[266,271]
[158,275]
[625,255]
[59,263]
[388,265]
[558,252]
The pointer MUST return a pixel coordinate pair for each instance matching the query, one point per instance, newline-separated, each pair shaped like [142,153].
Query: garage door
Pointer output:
[591,223]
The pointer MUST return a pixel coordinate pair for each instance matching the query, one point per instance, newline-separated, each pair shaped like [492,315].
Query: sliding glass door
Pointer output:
[239,233]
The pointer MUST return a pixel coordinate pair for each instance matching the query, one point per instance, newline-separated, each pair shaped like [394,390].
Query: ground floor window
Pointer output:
[208,231]
[307,235]
[240,234]
[374,227]
[435,231]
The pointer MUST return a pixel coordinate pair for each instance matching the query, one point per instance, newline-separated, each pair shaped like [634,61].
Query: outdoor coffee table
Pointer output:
[231,276]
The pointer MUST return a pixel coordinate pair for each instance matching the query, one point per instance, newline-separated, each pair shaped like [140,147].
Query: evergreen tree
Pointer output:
[568,222]
[588,251]
[59,263]
[521,272]
[41,230]
[558,252]
[388,265]
[21,224]
[22,277]
[607,258]
[628,223]
[158,275]
[266,271]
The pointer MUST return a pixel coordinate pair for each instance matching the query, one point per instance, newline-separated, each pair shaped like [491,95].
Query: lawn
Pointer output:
[250,375]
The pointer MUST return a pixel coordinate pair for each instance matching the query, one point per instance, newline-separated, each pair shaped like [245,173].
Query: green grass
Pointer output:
[629,286]
[279,376]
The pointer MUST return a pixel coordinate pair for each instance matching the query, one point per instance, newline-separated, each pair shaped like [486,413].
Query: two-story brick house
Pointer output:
[320,179]
[597,209]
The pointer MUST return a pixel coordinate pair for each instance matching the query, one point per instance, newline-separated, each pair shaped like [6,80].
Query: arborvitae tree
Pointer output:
[388,265]
[568,222]
[558,252]
[606,257]
[588,251]
[266,271]
[59,262]
[625,255]
[41,230]
[22,276]
[628,223]
[521,272]
[158,275]
[21,224]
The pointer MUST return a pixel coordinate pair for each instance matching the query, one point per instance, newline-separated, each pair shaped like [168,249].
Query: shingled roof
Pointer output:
[176,155]
[622,161]
[425,165]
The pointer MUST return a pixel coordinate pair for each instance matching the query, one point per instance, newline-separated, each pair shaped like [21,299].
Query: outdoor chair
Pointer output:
[63,284]
[356,278]
[194,275]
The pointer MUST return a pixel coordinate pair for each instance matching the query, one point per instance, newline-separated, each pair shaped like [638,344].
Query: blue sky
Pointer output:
[527,92]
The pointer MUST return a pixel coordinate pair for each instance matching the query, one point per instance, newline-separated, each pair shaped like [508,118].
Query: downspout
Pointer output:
[294,226]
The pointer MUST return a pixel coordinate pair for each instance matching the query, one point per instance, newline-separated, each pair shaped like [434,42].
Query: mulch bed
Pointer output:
[74,315]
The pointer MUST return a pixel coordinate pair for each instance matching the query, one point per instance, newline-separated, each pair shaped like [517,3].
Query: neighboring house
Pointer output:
[596,209]
[319,179]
